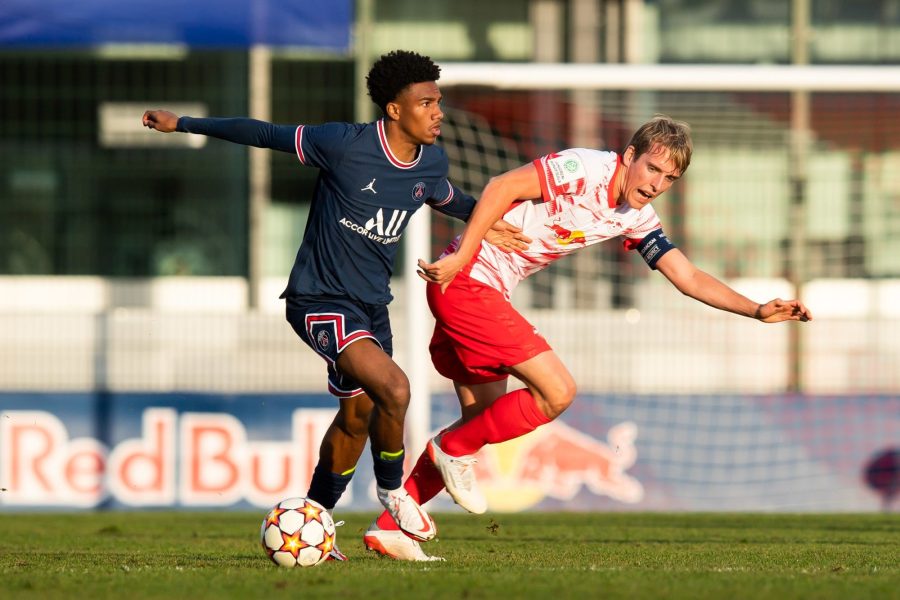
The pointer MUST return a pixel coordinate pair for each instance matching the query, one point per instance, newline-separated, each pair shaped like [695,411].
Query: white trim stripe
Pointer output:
[298,144]
[446,200]
[339,393]
[343,338]
[382,138]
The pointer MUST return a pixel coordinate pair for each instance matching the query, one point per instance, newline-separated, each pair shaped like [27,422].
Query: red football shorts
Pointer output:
[478,334]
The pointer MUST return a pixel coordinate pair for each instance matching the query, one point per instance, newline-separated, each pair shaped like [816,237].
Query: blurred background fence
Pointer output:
[144,357]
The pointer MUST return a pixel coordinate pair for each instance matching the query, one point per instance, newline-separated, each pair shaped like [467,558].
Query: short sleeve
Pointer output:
[323,146]
[570,174]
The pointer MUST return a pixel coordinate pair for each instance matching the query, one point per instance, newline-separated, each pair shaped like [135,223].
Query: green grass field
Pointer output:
[205,555]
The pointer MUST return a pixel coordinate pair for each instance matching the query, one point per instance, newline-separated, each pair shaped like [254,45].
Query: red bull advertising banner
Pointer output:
[142,451]
[127,451]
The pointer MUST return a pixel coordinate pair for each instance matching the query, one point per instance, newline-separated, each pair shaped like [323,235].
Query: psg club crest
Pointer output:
[323,340]
[418,191]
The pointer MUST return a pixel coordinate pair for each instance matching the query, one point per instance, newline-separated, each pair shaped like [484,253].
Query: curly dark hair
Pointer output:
[394,71]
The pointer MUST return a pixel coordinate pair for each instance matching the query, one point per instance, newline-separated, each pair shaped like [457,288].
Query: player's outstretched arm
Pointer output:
[249,132]
[702,286]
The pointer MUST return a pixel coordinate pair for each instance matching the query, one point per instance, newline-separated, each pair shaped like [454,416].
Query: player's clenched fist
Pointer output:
[160,120]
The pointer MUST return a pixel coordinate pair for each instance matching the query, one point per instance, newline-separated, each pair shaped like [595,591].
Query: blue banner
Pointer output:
[320,24]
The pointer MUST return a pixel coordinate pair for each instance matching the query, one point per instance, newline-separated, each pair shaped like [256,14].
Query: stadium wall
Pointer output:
[79,334]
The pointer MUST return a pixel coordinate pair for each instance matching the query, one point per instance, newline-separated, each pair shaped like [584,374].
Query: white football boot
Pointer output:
[406,512]
[458,473]
[395,544]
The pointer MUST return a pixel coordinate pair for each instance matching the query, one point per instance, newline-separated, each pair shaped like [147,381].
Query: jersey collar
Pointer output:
[385,147]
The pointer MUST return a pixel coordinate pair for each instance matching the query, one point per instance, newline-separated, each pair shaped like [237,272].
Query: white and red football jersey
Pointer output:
[577,209]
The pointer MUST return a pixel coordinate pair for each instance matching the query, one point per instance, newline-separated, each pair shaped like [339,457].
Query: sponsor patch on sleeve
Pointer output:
[566,169]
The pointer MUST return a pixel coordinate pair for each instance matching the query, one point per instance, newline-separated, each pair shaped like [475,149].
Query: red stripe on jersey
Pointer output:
[335,391]
[631,244]
[386,148]
[356,335]
[611,189]
[298,142]
[558,190]
[545,191]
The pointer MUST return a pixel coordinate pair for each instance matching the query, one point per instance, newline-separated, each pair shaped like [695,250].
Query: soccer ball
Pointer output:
[297,532]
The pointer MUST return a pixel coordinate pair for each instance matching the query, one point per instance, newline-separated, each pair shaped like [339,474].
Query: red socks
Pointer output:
[510,416]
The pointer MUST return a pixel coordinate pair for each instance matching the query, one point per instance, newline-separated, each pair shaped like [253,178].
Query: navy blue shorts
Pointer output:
[328,325]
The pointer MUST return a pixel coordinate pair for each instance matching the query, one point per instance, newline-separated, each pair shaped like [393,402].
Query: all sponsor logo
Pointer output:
[382,228]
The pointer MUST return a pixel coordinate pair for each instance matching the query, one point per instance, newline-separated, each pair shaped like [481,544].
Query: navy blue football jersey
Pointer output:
[364,198]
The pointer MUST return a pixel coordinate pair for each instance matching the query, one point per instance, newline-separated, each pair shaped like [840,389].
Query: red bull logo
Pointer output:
[566,237]
[557,461]
[192,459]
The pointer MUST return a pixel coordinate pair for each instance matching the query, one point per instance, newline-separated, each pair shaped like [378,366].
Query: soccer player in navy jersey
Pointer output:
[372,177]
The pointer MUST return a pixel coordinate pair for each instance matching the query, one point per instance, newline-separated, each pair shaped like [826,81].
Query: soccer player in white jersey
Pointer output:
[564,202]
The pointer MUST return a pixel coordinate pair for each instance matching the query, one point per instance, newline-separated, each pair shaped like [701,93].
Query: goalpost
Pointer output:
[655,77]
[794,190]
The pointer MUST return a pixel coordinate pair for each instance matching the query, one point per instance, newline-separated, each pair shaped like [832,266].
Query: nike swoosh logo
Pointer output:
[426,525]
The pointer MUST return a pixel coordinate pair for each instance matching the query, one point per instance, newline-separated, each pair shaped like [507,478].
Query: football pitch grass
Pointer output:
[170,555]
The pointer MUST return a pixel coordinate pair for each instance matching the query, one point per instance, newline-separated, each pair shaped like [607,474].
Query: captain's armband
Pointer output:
[654,246]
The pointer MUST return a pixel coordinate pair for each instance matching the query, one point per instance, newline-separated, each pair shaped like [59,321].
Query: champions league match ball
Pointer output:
[297,532]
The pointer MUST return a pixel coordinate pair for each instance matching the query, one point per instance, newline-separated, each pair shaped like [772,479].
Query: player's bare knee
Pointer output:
[395,395]
[559,398]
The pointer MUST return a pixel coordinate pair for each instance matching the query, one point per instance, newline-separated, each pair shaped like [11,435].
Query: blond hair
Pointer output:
[673,135]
